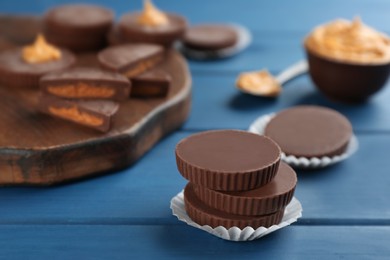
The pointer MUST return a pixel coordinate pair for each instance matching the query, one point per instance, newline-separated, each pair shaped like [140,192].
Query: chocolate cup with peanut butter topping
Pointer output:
[23,67]
[348,61]
[152,26]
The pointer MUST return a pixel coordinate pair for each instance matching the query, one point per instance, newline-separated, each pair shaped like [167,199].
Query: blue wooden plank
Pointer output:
[355,191]
[161,242]
[259,15]
[218,104]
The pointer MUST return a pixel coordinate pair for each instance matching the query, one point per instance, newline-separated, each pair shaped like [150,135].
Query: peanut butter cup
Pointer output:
[153,83]
[152,26]
[267,199]
[78,27]
[310,131]
[131,59]
[210,37]
[86,83]
[228,160]
[95,114]
[202,214]
[23,67]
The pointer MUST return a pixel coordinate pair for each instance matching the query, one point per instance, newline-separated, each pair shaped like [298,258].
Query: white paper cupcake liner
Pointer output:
[244,39]
[292,212]
[258,127]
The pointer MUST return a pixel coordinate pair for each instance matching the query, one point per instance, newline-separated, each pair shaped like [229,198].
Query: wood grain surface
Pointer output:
[38,149]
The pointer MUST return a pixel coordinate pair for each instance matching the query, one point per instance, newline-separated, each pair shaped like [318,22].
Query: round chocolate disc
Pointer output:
[14,71]
[205,215]
[228,160]
[78,19]
[78,27]
[267,199]
[310,131]
[210,37]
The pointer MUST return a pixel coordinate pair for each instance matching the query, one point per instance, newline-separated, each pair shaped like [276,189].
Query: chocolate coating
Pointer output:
[15,72]
[163,35]
[267,199]
[347,82]
[310,131]
[228,160]
[205,215]
[102,110]
[210,37]
[78,19]
[153,83]
[78,27]
[122,58]
[82,78]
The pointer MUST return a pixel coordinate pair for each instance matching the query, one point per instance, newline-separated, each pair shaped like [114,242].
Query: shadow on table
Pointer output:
[244,102]
[183,239]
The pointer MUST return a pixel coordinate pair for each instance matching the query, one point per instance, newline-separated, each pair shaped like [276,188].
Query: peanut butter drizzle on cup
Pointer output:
[40,51]
[151,16]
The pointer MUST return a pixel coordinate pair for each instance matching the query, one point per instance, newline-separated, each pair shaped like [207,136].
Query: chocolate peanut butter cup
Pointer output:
[205,215]
[86,83]
[96,114]
[15,72]
[210,37]
[163,35]
[267,199]
[228,160]
[153,83]
[310,131]
[79,27]
[131,59]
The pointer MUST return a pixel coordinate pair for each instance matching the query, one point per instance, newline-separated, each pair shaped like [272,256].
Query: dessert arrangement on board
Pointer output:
[84,107]
[113,89]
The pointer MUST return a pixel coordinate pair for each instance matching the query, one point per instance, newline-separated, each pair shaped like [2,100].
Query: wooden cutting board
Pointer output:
[39,150]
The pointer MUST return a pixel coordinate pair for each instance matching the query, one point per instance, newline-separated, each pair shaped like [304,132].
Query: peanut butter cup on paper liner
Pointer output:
[268,199]
[310,136]
[228,160]
[215,41]
[281,219]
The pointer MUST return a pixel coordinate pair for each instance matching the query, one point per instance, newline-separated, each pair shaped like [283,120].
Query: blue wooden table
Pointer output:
[124,215]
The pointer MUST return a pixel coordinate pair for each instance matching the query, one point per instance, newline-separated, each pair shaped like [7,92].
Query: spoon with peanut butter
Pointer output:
[262,83]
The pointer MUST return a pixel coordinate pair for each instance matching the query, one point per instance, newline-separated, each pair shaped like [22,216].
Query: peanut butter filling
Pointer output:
[349,41]
[151,16]
[40,51]
[142,66]
[74,114]
[260,83]
[81,90]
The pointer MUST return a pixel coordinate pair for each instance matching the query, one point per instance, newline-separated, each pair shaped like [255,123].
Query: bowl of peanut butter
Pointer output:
[348,60]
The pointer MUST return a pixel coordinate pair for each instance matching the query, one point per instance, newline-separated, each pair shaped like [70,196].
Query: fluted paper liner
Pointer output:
[244,39]
[292,212]
[258,127]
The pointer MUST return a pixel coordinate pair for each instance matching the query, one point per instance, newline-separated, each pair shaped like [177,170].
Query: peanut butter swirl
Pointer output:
[348,41]
[40,51]
[151,16]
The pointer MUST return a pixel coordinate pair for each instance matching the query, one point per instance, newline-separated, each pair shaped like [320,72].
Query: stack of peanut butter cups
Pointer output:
[236,179]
